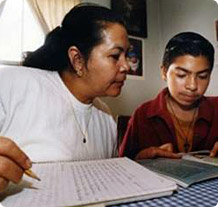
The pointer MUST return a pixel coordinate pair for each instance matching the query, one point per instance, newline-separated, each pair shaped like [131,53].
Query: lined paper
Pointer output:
[85,182]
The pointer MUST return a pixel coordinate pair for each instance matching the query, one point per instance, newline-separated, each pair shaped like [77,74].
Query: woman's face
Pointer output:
[107,65]
[187,78]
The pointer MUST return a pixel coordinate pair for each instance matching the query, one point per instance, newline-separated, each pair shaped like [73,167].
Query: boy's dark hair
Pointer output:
[81,27]
[188,43]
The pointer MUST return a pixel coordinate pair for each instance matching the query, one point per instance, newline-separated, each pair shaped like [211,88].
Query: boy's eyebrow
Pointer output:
[187,71]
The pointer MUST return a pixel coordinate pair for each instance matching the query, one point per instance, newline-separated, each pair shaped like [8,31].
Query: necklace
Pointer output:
[180,130]
[84,133]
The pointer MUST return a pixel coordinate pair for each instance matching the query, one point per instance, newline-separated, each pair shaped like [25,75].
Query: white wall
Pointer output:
[105,3]
[165,18]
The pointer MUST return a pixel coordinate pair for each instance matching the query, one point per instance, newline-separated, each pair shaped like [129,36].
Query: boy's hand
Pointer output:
[214,151]
[165,150]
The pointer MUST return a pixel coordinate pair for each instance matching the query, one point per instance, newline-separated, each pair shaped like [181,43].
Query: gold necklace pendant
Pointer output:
[183,135]
[186,145]
[84,134]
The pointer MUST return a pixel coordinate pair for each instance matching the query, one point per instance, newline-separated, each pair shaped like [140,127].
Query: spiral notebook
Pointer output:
[107,181]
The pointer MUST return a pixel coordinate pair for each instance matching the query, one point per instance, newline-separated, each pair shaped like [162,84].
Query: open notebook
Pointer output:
[201,156]
[107,181]
[184,172]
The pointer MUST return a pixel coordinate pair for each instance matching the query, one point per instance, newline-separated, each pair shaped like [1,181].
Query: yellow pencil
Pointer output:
[31,174]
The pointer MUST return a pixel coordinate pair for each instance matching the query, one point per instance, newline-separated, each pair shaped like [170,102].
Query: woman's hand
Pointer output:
[214,151]
[13,162]
[165,150]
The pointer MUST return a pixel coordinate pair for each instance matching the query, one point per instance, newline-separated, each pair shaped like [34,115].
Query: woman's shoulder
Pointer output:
[147,106]
[16,71]
[21,74]
[20,81]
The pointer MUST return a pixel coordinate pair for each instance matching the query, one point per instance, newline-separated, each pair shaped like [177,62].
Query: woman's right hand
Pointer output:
[13,162]
[165,150]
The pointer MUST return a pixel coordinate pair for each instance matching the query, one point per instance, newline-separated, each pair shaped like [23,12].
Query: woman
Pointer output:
[180,118]
[50,108]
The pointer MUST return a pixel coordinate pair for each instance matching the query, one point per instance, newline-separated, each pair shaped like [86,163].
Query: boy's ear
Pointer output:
[76,60]
[163,73]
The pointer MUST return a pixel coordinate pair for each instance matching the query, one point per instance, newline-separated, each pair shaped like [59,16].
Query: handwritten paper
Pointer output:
[86,182]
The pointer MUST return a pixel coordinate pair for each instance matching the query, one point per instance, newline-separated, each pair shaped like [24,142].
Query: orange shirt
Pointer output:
[184,133]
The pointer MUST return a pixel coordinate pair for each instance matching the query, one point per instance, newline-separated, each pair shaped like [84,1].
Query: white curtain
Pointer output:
[50,13]
[2,4]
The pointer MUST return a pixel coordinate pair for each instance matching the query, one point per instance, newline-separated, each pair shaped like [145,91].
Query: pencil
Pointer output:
[31,174]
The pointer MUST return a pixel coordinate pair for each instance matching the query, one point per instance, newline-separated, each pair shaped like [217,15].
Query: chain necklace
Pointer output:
[85,133]
[180,129]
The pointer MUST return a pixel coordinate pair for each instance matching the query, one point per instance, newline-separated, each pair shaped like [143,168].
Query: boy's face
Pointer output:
[187,78]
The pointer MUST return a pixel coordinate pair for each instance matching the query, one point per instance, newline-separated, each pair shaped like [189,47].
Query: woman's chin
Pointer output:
[114,93]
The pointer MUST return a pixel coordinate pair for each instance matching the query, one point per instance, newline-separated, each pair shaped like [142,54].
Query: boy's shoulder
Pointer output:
[148,106]
[212,100]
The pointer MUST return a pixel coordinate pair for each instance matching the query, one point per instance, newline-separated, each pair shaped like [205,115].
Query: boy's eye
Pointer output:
[203,76]
[182,75]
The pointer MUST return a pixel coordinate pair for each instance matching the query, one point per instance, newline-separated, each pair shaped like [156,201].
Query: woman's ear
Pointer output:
[163,73]
[76,60]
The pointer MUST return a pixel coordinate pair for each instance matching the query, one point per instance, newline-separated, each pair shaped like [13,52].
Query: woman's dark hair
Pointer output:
[81,27]
[188,43]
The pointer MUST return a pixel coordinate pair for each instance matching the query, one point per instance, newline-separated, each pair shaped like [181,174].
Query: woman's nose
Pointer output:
[125,66]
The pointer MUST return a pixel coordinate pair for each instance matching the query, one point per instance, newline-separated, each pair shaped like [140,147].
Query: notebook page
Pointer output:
[86,182]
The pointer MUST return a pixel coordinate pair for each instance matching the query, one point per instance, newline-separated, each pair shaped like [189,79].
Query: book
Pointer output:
[107,181]
[183,172]
[201,156]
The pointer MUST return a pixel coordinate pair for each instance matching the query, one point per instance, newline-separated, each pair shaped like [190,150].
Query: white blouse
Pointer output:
[40,114]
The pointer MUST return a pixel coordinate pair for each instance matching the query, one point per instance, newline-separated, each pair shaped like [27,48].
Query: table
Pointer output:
[204,194]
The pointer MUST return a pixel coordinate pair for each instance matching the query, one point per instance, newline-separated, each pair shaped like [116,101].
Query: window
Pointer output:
[19,31]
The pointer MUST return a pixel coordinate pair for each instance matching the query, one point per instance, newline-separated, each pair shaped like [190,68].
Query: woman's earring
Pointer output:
[79,73]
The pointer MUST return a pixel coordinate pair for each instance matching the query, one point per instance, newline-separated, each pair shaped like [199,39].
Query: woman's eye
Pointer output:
[115,56]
